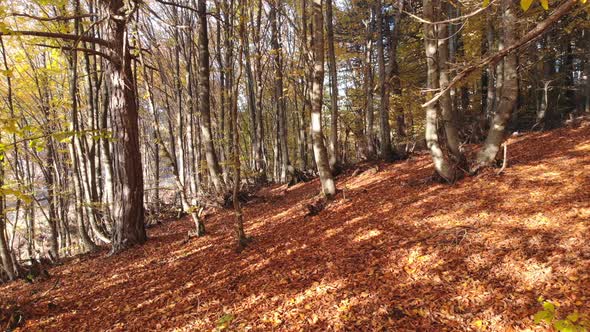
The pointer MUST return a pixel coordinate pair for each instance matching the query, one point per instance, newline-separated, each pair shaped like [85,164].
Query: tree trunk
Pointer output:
[76,165]
[394,79]
[369,112]
[128,208]
[441,163]
[509,93]
[384,128]
[279,98]
[586,86]
[321,155]
[491,86]
[449,117]
[334,149]
[204,100]
[7,263]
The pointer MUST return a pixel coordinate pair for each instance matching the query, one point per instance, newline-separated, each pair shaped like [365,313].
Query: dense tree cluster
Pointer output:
[110,109]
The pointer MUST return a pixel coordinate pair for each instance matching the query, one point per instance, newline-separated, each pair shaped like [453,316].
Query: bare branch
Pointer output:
[50,19]
[56,35]
[78,49]
[530,36]
[452,20]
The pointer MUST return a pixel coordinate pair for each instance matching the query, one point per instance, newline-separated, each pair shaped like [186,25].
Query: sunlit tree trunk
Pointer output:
[320,152]
[260,153]
[74,150]
[278,95]
[369,111]
[442,165]
[5,255]
[509,92]
[334,148]
[587,76]
[449,116]
[491,73]
[240,235]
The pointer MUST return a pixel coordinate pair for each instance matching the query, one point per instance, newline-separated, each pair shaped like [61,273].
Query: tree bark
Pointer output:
[394,79]
[128,208]
[369,112]
[384,86]
[509,93]
[334,148]
[446,104]
[441,163]
[321,155]
[279,98]
[204,100]
[7,263]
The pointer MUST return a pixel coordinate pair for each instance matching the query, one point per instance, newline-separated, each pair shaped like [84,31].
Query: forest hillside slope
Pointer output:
[393,251]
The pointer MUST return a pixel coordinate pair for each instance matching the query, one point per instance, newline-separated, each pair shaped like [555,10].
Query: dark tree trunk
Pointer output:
[204,100]
[128,208]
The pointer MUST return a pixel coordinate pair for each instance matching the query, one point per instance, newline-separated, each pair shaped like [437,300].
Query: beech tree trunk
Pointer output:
[334,148]
[204,100]
[321,155]
[449,117]
[394,79]
[279,99]
[384,88]
[491,86]
[509,92]
[369,111]
[85,239]
[7,263]
[442,165]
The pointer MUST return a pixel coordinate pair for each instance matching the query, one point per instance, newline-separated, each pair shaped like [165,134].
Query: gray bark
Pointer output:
[509,92]
[441,163]
[334,148]
[320,152]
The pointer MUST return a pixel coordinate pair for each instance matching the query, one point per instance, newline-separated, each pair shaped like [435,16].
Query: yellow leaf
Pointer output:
[486,3]
[478,324]
[525,4]
[545,4]
[583,1]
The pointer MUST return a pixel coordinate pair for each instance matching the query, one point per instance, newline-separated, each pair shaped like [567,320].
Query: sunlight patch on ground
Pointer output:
[583,147]
[366,235]
[185,252]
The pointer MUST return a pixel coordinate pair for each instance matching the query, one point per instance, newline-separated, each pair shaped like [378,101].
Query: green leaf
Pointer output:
[543,316]
[549,306]
[564,326]
[525,4]
[224,322]
[573,317]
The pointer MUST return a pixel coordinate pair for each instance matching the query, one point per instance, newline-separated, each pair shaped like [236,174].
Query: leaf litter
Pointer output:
[393,251]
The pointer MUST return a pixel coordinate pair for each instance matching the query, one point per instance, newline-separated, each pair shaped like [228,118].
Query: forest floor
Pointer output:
[393,251]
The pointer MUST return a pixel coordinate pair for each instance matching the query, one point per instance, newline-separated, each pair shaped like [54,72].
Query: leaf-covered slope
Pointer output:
[394,251]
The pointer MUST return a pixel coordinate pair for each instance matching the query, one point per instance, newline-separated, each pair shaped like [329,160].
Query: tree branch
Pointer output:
[78,49]
[452,20]
[530,36]
[56,35]
[49,19]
